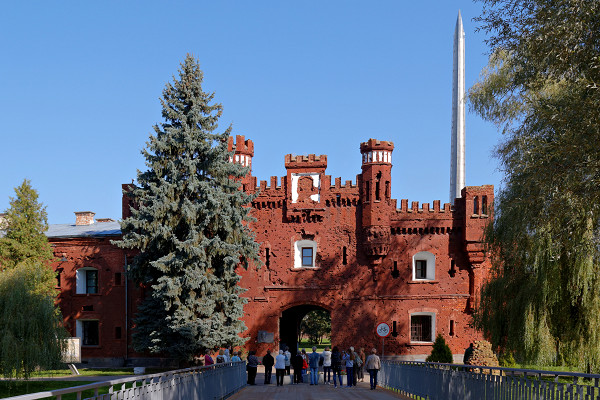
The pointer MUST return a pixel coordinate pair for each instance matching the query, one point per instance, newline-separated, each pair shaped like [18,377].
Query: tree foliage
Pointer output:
[541,90]
[440,351]
[316,325]
[31,330]
[25,223]
[190,227]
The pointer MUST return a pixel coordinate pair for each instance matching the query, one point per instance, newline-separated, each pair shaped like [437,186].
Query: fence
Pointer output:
[433,381]
[200,383]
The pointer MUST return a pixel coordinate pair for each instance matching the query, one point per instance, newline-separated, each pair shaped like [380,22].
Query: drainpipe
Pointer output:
[126,313]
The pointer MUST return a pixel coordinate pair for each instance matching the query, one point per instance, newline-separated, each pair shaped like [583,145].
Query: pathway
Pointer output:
[304,391]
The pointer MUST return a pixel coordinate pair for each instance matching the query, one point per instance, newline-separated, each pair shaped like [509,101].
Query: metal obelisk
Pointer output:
[457,157]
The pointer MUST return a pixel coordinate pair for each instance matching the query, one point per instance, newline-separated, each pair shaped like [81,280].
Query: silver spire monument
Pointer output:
[457,157]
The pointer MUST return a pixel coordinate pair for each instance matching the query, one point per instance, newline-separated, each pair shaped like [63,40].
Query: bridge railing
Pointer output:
[435,381]
[200,383]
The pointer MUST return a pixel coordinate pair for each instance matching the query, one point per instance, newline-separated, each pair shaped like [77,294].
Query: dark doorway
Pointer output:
[289,325]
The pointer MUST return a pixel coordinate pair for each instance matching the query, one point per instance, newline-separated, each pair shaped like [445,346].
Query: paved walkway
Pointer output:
[305,391]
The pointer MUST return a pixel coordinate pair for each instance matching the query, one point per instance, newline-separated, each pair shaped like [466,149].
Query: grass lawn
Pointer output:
[306,344]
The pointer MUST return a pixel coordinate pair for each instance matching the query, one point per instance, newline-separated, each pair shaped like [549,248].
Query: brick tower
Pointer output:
[375,193]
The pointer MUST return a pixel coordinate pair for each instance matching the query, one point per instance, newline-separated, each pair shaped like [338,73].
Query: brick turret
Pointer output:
[375,195]
[243,151]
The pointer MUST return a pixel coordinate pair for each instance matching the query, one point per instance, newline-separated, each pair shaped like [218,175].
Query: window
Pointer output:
[117,332]
[88,331]
[305,252]
[87,281]
[344,256]
[117,278]
[367,190]
[307,256]
[423,266]
[422,327]
[420,269]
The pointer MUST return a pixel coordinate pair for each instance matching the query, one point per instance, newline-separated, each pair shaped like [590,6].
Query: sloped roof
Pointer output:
[97,229]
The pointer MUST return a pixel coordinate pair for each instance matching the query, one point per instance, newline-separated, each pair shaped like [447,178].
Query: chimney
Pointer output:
[84,218]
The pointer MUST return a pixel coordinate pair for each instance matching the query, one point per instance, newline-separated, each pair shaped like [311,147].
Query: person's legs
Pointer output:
[251,375]
[340,375]
[267,375]
[375,371]
[314,375]
[371,377]
[327,374]
[349,376]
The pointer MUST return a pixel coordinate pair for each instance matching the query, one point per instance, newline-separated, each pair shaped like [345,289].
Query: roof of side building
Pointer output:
[97,229]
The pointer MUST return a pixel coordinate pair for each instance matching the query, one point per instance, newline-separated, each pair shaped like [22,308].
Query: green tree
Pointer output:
[540,89]
[440,352]
[191,227]
[26,221]
[31,330]
[316,325]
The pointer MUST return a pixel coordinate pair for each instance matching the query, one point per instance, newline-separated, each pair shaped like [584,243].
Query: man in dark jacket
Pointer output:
[268,362]
[297,362]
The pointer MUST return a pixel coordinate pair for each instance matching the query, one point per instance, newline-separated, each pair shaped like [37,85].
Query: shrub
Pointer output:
[440,352]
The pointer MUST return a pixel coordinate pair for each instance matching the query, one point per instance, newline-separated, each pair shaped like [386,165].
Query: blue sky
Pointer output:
[80,83]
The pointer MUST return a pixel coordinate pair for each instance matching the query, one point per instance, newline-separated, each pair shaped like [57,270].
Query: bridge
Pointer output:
[404,380]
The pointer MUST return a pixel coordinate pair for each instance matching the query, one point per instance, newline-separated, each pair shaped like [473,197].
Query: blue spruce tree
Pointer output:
[190,226]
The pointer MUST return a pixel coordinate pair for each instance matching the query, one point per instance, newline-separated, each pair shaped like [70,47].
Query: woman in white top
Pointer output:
[373,364]
[279,367]
[326,365]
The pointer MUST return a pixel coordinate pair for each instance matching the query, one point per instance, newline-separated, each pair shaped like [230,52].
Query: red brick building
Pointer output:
[347,248]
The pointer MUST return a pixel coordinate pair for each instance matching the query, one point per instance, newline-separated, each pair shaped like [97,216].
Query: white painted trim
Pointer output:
[316,183]
[433,334]
[298,253]
[430,258]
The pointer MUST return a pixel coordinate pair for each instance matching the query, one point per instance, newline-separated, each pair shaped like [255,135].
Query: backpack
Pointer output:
[220,359]
[357,360]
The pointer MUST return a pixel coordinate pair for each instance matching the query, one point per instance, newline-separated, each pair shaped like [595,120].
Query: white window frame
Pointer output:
[430,259]
[79,330]
[416,314]
[298,253]
[81,280]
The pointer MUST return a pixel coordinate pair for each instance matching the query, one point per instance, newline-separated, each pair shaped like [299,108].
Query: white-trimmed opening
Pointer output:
[305,252]
[88,330]
[423,266]
[422,327]
[86,280]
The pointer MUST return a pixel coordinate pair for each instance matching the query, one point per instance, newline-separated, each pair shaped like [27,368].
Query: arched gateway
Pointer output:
[289,324]
[346,247]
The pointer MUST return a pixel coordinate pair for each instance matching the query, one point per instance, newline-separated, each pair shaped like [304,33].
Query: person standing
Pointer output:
[326,365]
[313,363]
[252,367]
[358,362]
[208,359]
[235,357]
[373,365]
[468,354]
[268,362]
[348,359]
[279,368]
[336,365]
[288,358]
[297,363]
[361,369]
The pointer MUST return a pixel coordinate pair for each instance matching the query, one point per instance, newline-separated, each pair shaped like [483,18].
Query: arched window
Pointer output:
[423,266]
[86,280]
[305,253]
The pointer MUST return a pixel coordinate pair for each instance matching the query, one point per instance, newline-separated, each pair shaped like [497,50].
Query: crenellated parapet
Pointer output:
[310,162]
[243,150]
[376,151]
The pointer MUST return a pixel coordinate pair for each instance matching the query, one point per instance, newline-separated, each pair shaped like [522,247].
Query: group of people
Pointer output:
[333,362]
[223,357]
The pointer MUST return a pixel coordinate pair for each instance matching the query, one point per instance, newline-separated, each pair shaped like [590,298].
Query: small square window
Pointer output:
[307,256]
[117,278]
[420,269]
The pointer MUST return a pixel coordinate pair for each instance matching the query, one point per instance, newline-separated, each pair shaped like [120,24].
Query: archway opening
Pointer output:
[291,326]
